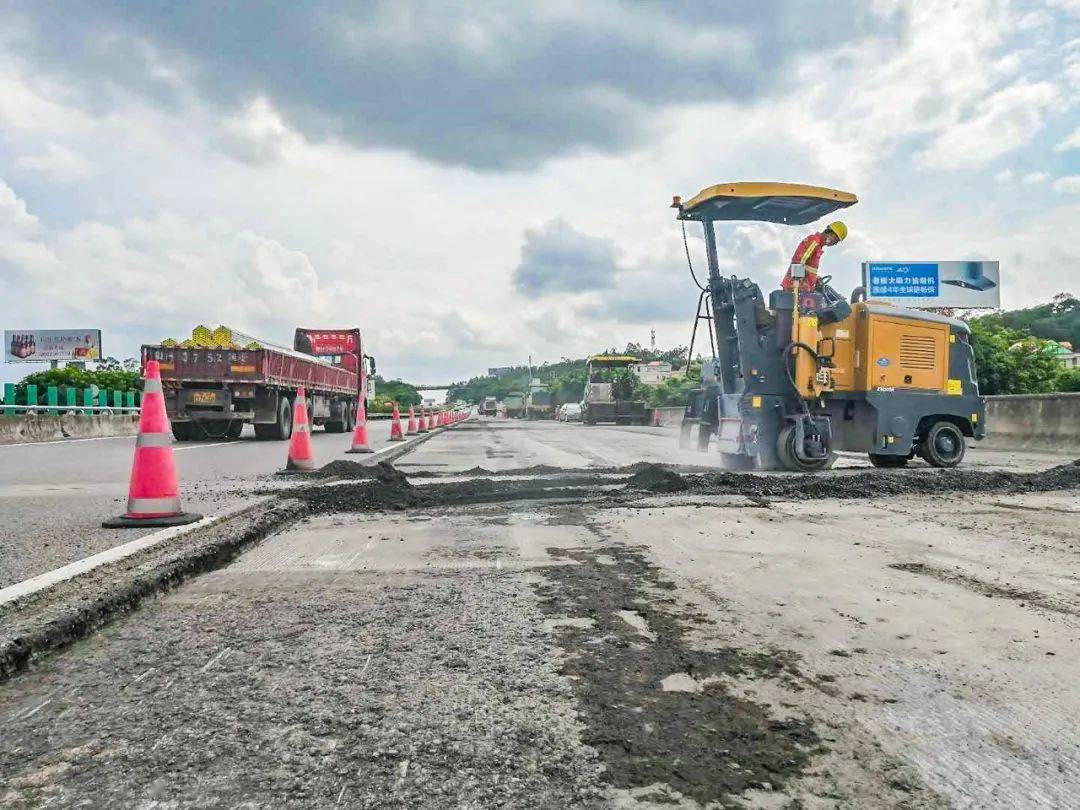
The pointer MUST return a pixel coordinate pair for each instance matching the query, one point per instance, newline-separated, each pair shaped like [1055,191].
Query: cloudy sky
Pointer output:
[471,183]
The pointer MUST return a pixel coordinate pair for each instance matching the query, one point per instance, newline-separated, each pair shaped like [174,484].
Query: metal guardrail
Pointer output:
[57,410]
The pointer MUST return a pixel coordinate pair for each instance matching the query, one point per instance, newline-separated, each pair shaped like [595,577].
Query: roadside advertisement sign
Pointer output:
[45,345]
[961,285]
[500,371]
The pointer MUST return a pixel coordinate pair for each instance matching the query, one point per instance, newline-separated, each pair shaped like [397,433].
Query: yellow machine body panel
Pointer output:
[876,349]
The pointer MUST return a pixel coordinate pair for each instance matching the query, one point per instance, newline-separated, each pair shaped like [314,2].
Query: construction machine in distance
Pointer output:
[811,374]
[514,403]
[611,394]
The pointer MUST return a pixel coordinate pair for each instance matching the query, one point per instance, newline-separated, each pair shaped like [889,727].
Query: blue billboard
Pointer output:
[948,284]
[895,280]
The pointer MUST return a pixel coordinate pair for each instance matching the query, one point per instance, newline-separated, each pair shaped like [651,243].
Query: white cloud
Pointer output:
[1071,141]
[1001,122]
[1034,178]
[257,134]
[1004,176]
[57,163]
[1070,184]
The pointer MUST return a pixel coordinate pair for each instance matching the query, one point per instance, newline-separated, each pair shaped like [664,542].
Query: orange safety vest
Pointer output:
[809,253]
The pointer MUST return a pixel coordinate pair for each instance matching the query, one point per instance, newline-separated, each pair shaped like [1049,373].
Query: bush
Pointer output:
[112,379]
[672,391]
[1069,381]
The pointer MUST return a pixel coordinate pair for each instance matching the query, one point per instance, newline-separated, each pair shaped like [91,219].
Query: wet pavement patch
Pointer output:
[704,742]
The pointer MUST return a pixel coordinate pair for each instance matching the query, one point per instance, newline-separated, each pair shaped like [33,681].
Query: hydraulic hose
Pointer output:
[798,344]
[690,264]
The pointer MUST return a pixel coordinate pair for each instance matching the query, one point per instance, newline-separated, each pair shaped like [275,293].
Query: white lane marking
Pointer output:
[201,446]
[66,441]
[50,578]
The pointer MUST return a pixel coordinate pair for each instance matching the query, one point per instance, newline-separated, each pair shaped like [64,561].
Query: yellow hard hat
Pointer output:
[839,228]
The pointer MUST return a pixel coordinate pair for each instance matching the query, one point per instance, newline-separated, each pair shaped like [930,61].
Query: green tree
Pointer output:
[395,391]
[1010,361]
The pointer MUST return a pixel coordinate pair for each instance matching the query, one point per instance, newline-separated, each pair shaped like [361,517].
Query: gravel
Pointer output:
[425,691]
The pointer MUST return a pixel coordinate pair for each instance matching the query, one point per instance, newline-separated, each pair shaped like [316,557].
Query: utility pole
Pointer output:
[652,339]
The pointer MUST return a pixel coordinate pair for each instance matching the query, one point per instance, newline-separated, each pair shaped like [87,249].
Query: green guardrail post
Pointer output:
[130,397]
[88,399]
[31,396]
[70,396]
[118,399]
[52,399]
[103,399]
[9,399]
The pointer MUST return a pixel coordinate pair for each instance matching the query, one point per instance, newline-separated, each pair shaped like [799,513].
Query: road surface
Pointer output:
[474,647]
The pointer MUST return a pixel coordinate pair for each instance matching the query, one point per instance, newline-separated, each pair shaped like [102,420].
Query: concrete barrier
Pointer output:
[44,428]
[1033,422]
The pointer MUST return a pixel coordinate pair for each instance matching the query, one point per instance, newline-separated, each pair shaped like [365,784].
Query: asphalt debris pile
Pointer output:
[345,470]
[388,489]
[886,483]
[654,478]
[704,742]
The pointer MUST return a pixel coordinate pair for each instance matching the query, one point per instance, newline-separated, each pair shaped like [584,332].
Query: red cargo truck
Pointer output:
[212,393]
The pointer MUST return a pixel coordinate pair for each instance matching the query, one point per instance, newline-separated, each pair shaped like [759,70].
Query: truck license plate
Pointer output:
[204,397]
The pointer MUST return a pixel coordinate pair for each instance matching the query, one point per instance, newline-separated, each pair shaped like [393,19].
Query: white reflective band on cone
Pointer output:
[153,506]
[151,386]
[304,428]
[153,440]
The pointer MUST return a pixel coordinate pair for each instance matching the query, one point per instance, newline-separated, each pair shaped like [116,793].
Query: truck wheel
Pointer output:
[943,445]
[785,451]
[236,427]
[181,431]
[281,428]
[879,460]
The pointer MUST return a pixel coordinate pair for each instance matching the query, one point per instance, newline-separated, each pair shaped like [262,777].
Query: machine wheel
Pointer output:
[281,428]
[879,460]
[235,428]
[181,431]
[785,452]
[943,445]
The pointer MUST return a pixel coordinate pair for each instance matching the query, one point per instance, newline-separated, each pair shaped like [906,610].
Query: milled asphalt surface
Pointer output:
[686,650]
[54,495]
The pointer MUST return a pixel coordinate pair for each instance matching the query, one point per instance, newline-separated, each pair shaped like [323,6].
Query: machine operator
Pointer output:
[809,253]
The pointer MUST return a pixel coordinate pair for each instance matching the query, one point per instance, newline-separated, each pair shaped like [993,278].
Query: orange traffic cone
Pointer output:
[359,436]
[423,428]
[154,491]
[412,428]
[395,425]
[301,458]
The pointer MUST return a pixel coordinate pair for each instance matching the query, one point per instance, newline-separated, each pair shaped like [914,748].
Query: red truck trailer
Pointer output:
[213,392]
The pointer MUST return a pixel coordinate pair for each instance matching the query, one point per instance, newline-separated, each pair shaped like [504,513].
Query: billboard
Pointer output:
[961,285]
[44,345]
[500,371]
